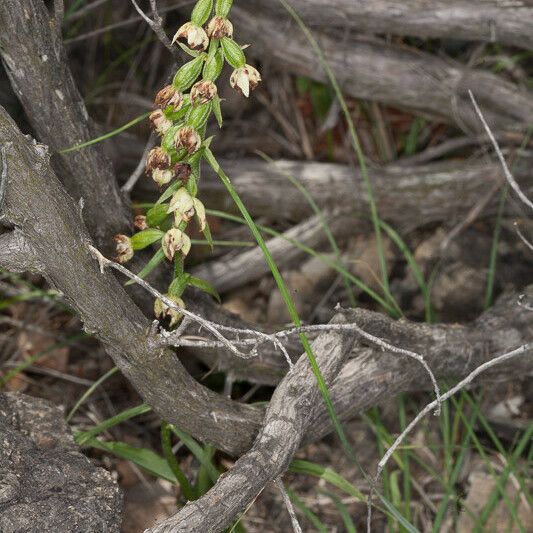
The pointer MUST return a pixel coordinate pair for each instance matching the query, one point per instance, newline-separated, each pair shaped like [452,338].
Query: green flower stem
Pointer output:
[286,298]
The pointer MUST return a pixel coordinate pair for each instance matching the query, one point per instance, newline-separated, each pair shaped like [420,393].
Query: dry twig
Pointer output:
[428,408]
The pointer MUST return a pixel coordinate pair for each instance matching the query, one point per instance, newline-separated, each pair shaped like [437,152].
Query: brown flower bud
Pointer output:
[160,123]
[187,138]
[193,36]
[202,92]
[157,159]
[219,27]
[245,79]
[169,96]
[140,222]
[183,171]
[124,248]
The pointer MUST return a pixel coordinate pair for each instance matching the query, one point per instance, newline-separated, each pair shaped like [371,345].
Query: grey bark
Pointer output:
[16,254]
[32,51]
[470,20]
[407,196]
[46,484]
[451,351]
[397,76]
[287,417]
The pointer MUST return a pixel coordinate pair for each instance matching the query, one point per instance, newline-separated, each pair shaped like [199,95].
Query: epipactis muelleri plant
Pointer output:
[181,117]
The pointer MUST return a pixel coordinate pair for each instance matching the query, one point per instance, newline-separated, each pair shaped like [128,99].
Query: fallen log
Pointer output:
[398,76]
[407,196]
[470,20]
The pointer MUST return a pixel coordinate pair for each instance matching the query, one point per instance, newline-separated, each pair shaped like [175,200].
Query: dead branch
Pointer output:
[524,349]
[450,351]
[508,174]
[157,27]
[234,271]
[285,423]
[397,76]
[472,20]
[410,196]
[33,54]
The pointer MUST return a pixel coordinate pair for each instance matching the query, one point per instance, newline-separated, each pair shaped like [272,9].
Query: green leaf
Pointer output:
[145,238]
[233,53]
[169,192]
[204,286]
[188,73]
[178,286]
[201,12]
[300,466]
[312,517]
[133,122]
[156,215]
[167,142]
[166,444]
[187,50]
[199,115]
[343,511]
[142,457]
[192,184]
[208,236]
[223,7]
[176,116]
[204,458]
[90,391]
[217,111]
[287,298]
[213,66]
[156,260]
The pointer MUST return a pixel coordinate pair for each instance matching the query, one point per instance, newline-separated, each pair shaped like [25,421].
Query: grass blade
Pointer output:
[90,390]
[354,138]
[130,124]
[82,437]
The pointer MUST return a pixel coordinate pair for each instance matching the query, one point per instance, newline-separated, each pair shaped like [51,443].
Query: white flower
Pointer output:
[182,204]
[187,138]
[162,176]
[174,241]
[219,27]
[203,91]
[160,123]
[193,36]
[169,96]
[245,79]
[185,207]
